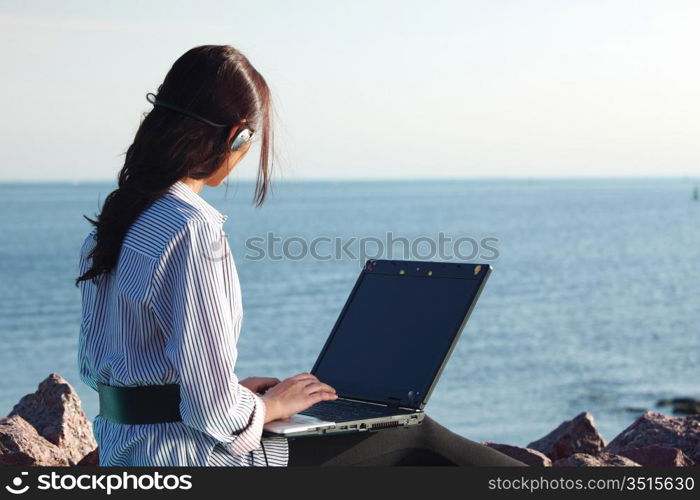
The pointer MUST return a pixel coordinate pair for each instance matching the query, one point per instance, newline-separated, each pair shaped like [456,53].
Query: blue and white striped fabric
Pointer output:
[170,313]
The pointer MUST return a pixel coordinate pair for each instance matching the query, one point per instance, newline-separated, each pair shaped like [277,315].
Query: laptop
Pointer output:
[389,346]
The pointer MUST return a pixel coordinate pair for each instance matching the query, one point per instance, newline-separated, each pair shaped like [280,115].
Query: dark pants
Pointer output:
[426,444]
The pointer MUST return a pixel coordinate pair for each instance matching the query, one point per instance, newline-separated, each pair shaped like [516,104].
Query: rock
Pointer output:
[599,460]
[21,445]
[658,456]
[578,435]
[656,429]
[688,406]
[54,410]
[91,459]
[531,457]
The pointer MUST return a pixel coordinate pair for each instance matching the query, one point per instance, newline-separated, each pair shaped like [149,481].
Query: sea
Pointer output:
[593,303]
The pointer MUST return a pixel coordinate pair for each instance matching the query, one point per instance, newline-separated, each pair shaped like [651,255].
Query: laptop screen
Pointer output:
[396,329]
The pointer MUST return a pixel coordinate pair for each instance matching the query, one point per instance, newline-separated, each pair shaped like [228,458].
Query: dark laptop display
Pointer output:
[397,329]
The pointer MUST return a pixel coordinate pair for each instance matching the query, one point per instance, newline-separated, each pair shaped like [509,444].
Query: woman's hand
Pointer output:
[259,384]
[295,394]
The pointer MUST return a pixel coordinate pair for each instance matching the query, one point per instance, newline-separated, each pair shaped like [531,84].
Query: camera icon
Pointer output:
[16,488]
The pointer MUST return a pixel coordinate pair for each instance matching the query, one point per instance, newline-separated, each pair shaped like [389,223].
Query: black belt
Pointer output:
[144,404]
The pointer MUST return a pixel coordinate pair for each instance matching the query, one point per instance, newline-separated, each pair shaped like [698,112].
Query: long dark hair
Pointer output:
[214,81]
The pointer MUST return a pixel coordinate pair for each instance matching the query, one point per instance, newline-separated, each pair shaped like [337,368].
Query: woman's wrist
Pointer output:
[272,410]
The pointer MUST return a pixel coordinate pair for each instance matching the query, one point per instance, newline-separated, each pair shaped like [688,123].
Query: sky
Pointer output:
[369,89]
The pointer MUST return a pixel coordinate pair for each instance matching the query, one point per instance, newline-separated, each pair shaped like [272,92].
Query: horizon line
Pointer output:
[686,177]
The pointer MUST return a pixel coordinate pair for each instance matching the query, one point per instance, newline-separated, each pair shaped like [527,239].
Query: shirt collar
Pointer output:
[188,195]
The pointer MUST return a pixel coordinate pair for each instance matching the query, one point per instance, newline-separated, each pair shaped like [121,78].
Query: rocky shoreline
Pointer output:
[653,440]
[49,428]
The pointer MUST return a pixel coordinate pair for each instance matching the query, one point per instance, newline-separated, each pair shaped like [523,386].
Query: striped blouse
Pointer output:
[170,313]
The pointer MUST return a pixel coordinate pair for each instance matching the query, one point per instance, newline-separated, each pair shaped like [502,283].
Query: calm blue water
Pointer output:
[594,302]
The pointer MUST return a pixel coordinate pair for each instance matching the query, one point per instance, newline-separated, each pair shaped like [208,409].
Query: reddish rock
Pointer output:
[654,428]
[54,410]
[91,459]
[529,456]
[599,460]
[578,435]
[21,445]
[658,456]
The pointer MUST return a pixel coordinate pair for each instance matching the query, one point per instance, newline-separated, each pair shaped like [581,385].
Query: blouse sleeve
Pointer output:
[192,300]
[87,299]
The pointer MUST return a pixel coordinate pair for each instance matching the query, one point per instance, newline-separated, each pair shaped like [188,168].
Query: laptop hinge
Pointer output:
[396,403]
[361,401]
[390,404]
[393,402]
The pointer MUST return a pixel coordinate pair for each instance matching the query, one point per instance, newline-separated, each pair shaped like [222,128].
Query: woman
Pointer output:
[161,299]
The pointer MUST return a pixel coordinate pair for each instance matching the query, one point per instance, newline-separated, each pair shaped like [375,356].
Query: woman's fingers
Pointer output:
[299,392]
[312,383]
[304,376]
[321,396]
[319,386]
[266,383]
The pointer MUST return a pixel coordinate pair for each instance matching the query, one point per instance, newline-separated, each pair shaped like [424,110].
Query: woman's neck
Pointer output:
[195,184]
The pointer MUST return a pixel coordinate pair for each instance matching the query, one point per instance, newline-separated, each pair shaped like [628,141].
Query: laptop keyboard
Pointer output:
[342,410]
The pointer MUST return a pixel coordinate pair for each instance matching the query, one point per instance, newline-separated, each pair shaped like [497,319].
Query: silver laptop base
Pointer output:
[304,425]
